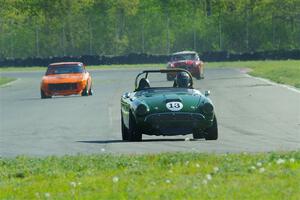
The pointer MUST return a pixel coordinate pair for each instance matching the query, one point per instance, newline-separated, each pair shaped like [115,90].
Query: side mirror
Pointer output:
[126,95]
[207,93]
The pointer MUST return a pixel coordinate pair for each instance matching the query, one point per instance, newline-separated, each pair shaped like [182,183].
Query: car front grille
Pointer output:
[62,86]
[163,117]
[174,123]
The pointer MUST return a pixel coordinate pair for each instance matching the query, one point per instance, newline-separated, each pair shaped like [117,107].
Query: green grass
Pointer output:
[4,80]
[284,71]
[161,176]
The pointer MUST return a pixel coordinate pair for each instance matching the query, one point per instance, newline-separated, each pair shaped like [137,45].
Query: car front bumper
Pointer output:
[63,88]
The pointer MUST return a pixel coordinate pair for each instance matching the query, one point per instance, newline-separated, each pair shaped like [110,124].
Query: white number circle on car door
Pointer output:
[174,106]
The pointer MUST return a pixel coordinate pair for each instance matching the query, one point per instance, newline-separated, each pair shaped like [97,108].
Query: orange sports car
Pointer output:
[66,78]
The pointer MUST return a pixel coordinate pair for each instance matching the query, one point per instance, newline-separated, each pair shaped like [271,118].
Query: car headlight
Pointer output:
[142,109]
[208,108]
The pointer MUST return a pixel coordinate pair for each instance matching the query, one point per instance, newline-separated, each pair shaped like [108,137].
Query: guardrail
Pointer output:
[135,58]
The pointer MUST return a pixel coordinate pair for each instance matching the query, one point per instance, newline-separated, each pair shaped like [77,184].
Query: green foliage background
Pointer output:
[30,28]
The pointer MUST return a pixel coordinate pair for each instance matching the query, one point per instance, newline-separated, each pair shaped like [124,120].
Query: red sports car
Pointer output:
[188,60]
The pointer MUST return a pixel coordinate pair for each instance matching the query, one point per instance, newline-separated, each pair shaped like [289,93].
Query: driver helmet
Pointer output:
[183,80]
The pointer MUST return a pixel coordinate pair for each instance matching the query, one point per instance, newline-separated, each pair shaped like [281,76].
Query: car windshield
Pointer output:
[190,56]
[64,69]
[164,90]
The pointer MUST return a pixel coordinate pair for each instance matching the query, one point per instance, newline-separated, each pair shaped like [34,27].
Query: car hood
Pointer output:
[190,99]
[62,78]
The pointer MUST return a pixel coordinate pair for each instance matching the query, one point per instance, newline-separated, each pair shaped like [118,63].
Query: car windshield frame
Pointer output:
[162,71]
[184,56]
[65,69]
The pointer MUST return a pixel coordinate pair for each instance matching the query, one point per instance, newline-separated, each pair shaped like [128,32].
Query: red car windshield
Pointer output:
[64,69]
[183,57]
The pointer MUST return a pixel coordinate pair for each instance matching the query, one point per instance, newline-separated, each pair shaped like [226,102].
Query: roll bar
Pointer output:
[146,72]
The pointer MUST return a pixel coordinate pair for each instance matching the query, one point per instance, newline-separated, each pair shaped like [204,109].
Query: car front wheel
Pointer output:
[134,134]
[44,96]
[170,77]
[211,133]
[85,91]
[124,130]
[91,92]
[198,134]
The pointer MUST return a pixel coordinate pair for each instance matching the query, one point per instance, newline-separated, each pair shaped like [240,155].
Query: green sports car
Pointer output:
[169,110]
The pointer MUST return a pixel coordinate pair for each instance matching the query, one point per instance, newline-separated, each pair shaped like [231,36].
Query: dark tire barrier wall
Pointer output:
[152,59]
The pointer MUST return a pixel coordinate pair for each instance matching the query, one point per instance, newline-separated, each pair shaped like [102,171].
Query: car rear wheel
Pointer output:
[44,96]
[134,134]
[124,130]
[211,133]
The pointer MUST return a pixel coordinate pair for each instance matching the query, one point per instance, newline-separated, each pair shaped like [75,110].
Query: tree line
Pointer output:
[43,28]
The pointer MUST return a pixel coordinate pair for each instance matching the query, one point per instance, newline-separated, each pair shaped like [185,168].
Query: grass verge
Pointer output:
[161,176]
[4,80]
[285,72]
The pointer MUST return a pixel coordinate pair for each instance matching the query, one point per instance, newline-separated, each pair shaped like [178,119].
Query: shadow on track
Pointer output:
[53,97]
[145,140]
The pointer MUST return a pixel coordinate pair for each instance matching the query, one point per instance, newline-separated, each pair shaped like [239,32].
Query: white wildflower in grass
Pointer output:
[103,150]
[262,170]
[47,195]
[216,169]
[187,139]
[168,181]
[37,195]
[73,184]
[253,167]
[280,161]
[170,171]
[153,183]
[187,163]
[115,179]
[197,165]
[204,182]
[292,160]
[208,177]
[79,183]
[259,164]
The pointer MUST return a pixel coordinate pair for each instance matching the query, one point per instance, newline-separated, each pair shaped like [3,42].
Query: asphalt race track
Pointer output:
[253,116]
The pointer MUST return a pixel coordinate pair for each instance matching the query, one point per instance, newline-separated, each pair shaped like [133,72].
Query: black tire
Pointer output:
[133,132]
[211,133]
[125,135]
[197,134]
[44,96]
[170,77]
[198,76]
[202,76]
[91,92]
[85,91]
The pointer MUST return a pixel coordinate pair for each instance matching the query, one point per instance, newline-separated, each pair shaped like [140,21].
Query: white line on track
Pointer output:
[10,83]
[291,88]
